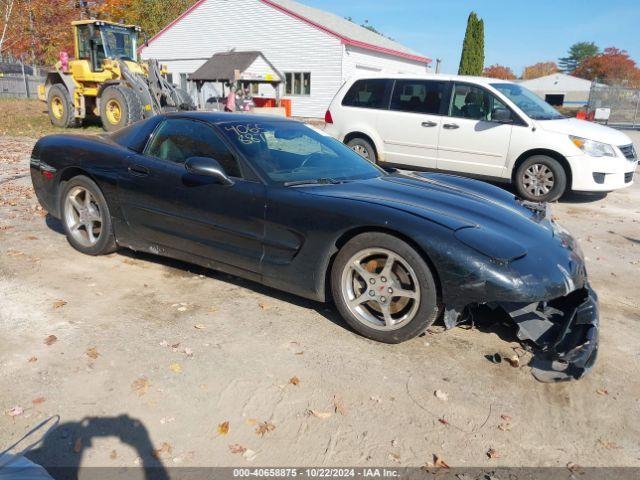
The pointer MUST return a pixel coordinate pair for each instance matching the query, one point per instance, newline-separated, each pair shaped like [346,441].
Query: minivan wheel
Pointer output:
[541,179]
[363,148]
[383,288]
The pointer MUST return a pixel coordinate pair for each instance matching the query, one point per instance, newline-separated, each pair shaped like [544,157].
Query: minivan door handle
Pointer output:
[429,124]
[450,126]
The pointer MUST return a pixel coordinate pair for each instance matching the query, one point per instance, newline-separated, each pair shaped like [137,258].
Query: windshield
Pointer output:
[292,153]
[528,101]
[119,42]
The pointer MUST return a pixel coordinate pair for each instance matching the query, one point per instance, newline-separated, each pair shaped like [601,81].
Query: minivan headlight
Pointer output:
[595,149]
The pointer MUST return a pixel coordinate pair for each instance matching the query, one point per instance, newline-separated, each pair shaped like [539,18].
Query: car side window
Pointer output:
[469,101]
[372,93]
[418,96]
[178,139]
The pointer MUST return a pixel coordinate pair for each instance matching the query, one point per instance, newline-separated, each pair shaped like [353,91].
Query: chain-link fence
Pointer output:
[615,106]
[18,80]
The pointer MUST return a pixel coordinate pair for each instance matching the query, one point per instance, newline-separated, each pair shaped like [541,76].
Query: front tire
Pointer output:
[119,107]
[363,148]
[60,107]
[541,178]
[383,288]
[86,217]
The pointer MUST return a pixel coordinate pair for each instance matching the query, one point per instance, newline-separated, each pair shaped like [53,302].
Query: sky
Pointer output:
[517,32]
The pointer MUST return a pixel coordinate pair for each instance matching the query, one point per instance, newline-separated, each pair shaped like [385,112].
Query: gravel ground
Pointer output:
[159,355]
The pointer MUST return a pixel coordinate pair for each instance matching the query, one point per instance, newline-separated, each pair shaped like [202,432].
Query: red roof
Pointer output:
[343,38]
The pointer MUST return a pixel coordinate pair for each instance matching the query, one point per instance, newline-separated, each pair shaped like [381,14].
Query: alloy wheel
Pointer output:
[360,150]
[82,216]
[538,180]
[380,289]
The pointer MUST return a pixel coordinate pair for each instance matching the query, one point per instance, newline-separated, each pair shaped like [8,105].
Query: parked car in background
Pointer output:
[484,127]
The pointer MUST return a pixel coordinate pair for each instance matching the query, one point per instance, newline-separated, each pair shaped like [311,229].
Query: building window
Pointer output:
[253,87]
[298,83]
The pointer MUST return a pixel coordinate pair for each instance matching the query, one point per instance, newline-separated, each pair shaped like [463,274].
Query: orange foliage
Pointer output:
[540,69]
[612,66]
[499,71]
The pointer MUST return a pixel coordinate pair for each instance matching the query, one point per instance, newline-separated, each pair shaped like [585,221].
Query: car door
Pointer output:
[470,141]
[196,215]
[411,125]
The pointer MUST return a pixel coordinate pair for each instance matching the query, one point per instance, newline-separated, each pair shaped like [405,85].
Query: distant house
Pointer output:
[316,51]
[560,90]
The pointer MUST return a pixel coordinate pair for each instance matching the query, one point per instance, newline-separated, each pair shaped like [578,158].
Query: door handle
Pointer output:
[138,170]
[451,126]
[429,124]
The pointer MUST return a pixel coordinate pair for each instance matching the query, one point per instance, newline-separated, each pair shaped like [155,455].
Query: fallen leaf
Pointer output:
[38,401]
[440,395]
[439,462]
[394,457]
[188,352]
[506,418]
[59,303]
[443,421]
[140,386]
[252,421]
[602,391]
[317,414]
[129,261]
[199,326]
[504,427]
[176,367]
[294,381]
[338,405]
[182,309]
[223,428]
[264,306]
[15,411]
[573,467]
[514,361]
[77,446]
[237,449]
[265,427]
[113,455]
[492,453]
[165,420]
[32,359]
[249,455]
[92,353]
[50,340]
[165,449]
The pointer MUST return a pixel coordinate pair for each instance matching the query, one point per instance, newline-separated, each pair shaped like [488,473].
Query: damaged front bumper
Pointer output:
[563,333]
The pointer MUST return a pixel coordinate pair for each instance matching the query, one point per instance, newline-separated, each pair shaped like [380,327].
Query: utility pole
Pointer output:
[438,64]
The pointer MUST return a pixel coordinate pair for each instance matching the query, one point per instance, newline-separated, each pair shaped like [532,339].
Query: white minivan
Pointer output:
[483,127]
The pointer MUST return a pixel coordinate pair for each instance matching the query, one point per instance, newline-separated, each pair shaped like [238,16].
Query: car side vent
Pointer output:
[629,152]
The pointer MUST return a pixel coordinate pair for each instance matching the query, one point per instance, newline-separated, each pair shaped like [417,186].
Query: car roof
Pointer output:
[223,117]
[430,76]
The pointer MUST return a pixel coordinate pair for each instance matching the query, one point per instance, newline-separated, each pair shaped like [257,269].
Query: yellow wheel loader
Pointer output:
[106,80]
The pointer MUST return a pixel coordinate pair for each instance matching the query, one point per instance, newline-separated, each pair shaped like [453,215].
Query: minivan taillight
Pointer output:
[327,117]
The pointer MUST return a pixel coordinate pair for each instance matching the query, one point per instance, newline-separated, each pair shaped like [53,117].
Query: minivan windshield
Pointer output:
[528,102]
[294,154]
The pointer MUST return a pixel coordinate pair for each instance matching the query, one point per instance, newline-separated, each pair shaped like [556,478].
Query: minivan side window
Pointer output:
[372,93]
[418,96]
[469,101]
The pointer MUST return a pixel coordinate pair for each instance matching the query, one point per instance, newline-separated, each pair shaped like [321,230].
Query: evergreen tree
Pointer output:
[472,59]
[578,53]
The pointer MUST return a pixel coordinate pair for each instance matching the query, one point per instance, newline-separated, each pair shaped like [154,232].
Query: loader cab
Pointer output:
[96,41]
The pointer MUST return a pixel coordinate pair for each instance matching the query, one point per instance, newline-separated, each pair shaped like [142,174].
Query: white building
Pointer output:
[560,90]
[315,50]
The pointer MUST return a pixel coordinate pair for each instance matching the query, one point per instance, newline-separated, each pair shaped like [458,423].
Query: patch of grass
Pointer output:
[22,117]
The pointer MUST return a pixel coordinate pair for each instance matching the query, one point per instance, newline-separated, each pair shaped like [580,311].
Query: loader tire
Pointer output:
[186,102]
[119,107]
[60,107]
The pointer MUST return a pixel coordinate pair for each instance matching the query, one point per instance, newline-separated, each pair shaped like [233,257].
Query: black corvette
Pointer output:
[281,203]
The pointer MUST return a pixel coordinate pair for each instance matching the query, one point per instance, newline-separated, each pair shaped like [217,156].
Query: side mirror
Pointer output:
[207,167]
[502,115]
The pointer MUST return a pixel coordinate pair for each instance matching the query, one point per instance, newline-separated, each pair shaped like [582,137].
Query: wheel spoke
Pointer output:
[388,266]
[75,226]
[360,300]
[386,313]
[89,227]
[75,203]
[404,293]
[87,199]
[360,270]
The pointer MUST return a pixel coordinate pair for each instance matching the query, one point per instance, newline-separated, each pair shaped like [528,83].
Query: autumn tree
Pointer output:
[472,58]
[6,9]
[613,66]
[540,69]
[578,53]
[499,71]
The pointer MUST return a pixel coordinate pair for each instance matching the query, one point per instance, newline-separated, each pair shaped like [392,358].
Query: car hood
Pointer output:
[454,202]
[584,129]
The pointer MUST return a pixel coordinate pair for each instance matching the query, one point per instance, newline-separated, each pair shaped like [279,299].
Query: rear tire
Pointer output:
[541,178]
[119,107]
[363,148]
[60,107]
[86,218]
[389,302]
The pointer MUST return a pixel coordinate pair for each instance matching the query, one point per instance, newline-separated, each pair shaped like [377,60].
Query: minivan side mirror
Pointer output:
[207,167]
[502,115]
